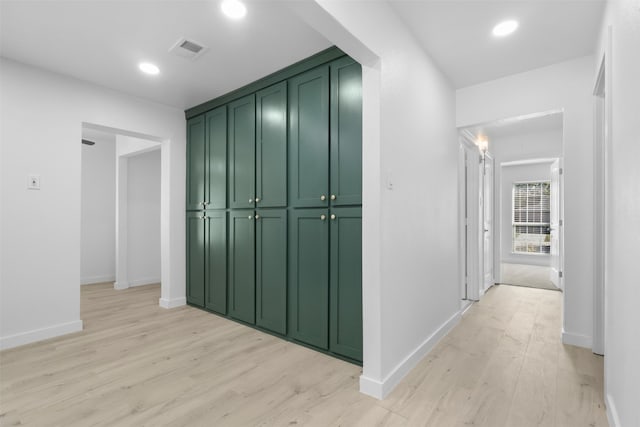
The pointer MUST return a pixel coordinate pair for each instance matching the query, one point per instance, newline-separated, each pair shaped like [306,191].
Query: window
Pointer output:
[531,217]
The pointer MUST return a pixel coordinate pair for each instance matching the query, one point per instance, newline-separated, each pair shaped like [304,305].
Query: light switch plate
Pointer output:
[33,183]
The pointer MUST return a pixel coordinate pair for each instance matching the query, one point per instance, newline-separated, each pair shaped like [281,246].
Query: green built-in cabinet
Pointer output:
[274,193]
[207,260]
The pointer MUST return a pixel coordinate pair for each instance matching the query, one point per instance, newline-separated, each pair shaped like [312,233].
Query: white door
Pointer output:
[487,221]
[555,223]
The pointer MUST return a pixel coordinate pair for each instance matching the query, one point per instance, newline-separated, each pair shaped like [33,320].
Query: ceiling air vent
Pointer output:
[187,48]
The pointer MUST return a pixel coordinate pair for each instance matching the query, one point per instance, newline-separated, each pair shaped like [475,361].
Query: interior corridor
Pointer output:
[138,364]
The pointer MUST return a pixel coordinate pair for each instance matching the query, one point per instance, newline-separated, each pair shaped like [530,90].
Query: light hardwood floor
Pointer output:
[136,364]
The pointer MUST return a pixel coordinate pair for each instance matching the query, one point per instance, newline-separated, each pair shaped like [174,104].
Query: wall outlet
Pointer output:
[33,182]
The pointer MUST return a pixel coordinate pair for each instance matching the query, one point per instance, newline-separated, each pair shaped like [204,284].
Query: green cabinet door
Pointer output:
[271,146]
[346,132]
[309,276]
[216,261]
[242,291]
[242,152]
[196,149]
[345,307]
[271,269]
[309,138]
[216,180]
[195,258]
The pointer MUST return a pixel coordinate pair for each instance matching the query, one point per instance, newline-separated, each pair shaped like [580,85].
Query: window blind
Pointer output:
[531,217]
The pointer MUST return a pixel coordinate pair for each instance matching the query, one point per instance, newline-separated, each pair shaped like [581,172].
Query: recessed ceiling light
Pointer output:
[234,9]
[149,68]
[505,28]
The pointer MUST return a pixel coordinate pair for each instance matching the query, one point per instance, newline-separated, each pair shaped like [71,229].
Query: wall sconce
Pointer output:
[483,144]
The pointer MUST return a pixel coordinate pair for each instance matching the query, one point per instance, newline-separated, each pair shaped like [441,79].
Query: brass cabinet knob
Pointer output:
[333,197]
[323,217]
[257,216]
[333,216]
[323,197]
[250,200]
[250,217]
[257,199]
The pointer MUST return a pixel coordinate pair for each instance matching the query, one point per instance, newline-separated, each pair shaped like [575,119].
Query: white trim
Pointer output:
[381,389]
[612,412]
[529,162]
[120,285]
[40,334]
[97,279]
[144,281]
[172,303]
[578,340]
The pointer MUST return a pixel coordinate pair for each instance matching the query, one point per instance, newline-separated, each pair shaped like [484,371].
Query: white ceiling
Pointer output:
[102,41]
[457,34]
[533,123]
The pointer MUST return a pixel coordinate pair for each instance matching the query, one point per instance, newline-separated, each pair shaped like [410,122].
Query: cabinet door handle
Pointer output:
[333,216]
[257,199]
[203,217]
[323,217]
[257,216]
[333,197]
[250,217]
[323,197]
[250,200]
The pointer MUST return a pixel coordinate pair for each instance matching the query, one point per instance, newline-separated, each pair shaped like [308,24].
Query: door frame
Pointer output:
[469,217]
[601,156]
[488,156]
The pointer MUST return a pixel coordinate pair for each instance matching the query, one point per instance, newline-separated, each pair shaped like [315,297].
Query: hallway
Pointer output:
[138,364]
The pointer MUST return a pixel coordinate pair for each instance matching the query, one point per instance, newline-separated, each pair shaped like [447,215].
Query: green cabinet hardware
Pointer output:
[271,147]
[242,152]
[196,150]
[309,276]
[195,230]
[271,269]
[216,261]
[345,288]
[346,132]
[242,291]
[309,139]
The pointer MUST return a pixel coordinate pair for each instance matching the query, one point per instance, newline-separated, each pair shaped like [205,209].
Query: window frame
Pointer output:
[515,224]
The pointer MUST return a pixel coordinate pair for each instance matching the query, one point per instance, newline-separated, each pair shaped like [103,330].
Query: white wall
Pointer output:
[143,206]
[98,192]
[410,253]
[622,317]
[42,115]
[509,176]
[509,148]
[566,86]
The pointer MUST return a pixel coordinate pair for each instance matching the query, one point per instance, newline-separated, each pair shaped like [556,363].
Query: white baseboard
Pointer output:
[576,339]
[145,281]
[40,334]
[96,279]
[173,302]
[381,389]
[612,412]
[137,282]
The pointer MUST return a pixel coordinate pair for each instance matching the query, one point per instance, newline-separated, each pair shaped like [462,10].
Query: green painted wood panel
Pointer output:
[216,178]
[216,261]
[195,258]
[309,276]
[196,143]
[271,269]
[271,146]
[242,152]
[242,291]
[345,308]
[309,138]
[346,132]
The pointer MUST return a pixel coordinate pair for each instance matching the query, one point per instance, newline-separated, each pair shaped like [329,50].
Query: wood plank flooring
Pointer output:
[136,364]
